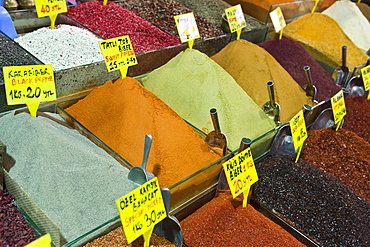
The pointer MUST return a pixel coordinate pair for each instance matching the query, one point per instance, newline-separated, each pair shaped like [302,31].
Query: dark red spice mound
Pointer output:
[357,118]
[293,57]
[14,230]
[112,20]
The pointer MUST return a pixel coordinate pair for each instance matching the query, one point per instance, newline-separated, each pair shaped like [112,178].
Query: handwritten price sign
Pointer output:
[365,72]
[338,106]
[277,19]
[187,27]
[50,7]
[298,129]
[240,172]
[141,209]
[235,18]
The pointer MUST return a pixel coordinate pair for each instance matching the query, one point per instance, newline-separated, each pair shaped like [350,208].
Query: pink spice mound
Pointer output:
[111,21]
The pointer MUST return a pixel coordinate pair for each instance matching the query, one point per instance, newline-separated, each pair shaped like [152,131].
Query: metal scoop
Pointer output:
[169,227]
[139,174]
[356,85]
[340,74]
[272,108]
[310,89]
[215,138]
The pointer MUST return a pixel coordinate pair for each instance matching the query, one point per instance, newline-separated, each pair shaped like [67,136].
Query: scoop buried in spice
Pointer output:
[310,89]
[139,174]
[341,73]
[215,138]
[356,85]
[272,108]
[169,227]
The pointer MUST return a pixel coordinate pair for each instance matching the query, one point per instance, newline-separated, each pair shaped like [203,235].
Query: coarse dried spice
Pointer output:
[161,13]
[318,204]
[116,238]
[342,154]
[112,20]
[357,118]
[14,230]
[224,222]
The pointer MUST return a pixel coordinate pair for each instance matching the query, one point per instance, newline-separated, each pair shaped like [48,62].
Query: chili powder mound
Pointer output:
[252,67]
[112,20]
[122,112]
[342,154]
[293,57]
[224,222]
[324,43]
[357,118]
[116,238]
[318,204]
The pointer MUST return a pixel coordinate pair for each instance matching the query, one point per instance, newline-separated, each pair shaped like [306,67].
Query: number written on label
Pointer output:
[30,93]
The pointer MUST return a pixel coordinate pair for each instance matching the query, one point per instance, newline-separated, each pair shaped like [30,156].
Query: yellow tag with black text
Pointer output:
[187,28]
[339,107]
[235,18]
[365,72]
[299,132]
[141,209]
[43,241]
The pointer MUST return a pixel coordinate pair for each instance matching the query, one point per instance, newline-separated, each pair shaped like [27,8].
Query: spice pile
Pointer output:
[351,20]
[122,112]
[161,13]
[52,161]
[14,230]
[358,116]
[191,83]
[315,202]
[343,155]
[293,57]
[324,43]
[63,47]
[252,67]
[217,222]
[111,20]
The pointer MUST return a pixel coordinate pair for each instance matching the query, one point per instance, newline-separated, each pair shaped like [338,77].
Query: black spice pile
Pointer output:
[14,230]
[161,13]
[315,202]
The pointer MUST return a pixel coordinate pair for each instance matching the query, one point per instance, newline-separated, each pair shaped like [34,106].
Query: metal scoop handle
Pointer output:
[216,123]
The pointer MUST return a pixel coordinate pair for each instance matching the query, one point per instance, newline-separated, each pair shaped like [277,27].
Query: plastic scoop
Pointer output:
[272,108]
[139,174]
[310,89]
[6,24]
[215,138]
[169,227]
[340,74]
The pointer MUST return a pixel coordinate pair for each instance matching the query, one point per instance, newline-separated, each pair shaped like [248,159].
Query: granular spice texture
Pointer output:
[14,230]
[224,222]
[112,20]
[161,13]
[317,203]
[342,154]
[116,238]
[357,118]
[252,67]
[324,43]
[293,57]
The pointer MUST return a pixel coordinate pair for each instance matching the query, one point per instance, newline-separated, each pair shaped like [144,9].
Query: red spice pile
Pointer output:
[111,20]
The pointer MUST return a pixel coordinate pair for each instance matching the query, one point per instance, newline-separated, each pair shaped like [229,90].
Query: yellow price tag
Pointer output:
[299,131]
[339,107]
[365,72]
[50,8]
[187,28]
[241,173]
[118,54]
[278,20]
[235,18]
[29,84]
[44,241]
[141,209]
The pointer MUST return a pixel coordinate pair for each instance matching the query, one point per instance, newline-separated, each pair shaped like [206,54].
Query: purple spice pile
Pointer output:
[14,230]
[293,57]
[161,13]
[317,203]
[112,20]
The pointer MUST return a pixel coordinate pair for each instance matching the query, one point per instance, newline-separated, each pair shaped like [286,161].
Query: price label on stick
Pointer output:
[43,241]
[241,174]
[235,18]
[187,28]
[365,72]
[118,54]
[141,209]
[50,8]
[299,132]
[339,107]
[278,20]
[29,84]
